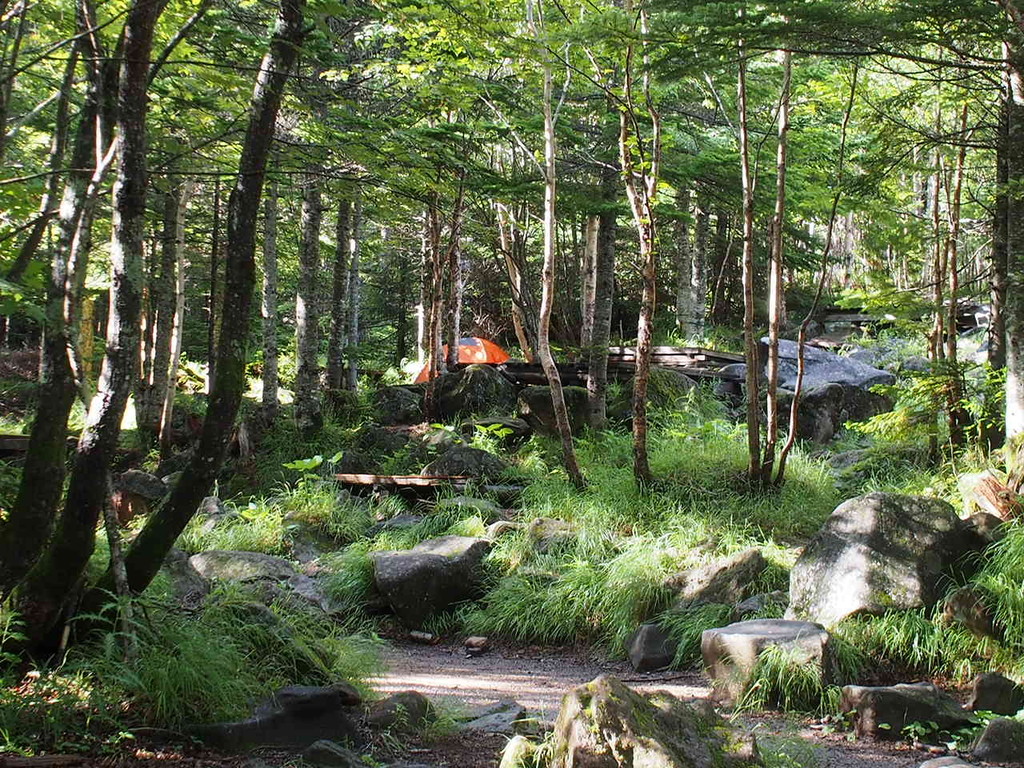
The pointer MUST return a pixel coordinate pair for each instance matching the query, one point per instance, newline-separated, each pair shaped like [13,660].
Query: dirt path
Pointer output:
[537,678]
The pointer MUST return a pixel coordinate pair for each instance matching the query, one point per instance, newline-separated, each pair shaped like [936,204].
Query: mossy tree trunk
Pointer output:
[604,294]
[25,533]
[339,295]
[55,575]
[268,304]
[308,409]
[149,548]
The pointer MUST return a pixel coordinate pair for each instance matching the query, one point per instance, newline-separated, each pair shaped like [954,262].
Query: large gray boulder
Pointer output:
[1001,741]
[825,408]
[727,580]
[991,692]
[824,367]
[465,461]
[876,553]
[883,712]
[221,565]
[731,653]
[267,575]
[476,390]
[604,724]
[370,448]
[430,577]
[536,410]
[398,405]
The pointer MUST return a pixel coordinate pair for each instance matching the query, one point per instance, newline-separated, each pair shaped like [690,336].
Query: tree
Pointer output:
[54,577]
[147,551]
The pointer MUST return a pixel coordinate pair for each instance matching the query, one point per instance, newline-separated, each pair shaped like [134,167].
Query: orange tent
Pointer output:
[471,350]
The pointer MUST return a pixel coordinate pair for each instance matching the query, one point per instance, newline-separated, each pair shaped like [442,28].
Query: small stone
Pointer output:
[332,755]
[882,712]
[967,606]
[501,527]
[651,648]
[547,533]
[476,645]
[406,711]
[424,638]
[503,721]
[731,653]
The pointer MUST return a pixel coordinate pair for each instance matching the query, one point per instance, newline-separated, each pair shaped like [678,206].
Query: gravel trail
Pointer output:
[537,678]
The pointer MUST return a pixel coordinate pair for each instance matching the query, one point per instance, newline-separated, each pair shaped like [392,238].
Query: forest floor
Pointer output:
[538,677]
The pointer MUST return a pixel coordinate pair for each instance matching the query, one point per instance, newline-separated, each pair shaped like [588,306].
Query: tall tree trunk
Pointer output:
[339,296]
[216,292]
[699,275]
[177,328]
[775,272]
[750,342]
[9,65]
[510,242]
[433,299]
[684,265]
[455,278]
[958,415]
[355,290]
[59,570]
[1000,222]
[723,270]
[28,526]
[152,390]
[640,166]
[604,294]
[588,270]
[308,409]
[547,360]
[993,430]
[401,316]
[149,548]
[268,304]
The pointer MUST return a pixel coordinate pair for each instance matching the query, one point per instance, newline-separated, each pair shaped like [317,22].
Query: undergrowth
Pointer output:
[184,669]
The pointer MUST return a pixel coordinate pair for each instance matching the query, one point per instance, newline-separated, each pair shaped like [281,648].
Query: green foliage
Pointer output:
[686,625]
[211,667]
[788,752]
[1000,578]
[62,711]
[913,642]
[787,680]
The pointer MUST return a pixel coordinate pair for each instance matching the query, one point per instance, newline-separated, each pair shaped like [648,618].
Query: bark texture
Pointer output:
[147,552]
[308,409]
[27,529]
[55,575]
[268,305]
[339,296]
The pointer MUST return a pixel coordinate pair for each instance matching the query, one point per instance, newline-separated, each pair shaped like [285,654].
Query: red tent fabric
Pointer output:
[471,350]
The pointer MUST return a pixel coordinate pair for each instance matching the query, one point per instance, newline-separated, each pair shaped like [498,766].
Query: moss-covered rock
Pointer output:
[605,724]
[536,409]
[878,553]
[476,390]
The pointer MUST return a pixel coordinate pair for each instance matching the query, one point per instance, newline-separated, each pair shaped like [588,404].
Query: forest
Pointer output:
[567,352]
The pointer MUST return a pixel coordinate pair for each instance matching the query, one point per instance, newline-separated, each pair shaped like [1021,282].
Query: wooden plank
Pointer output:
[400,481]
